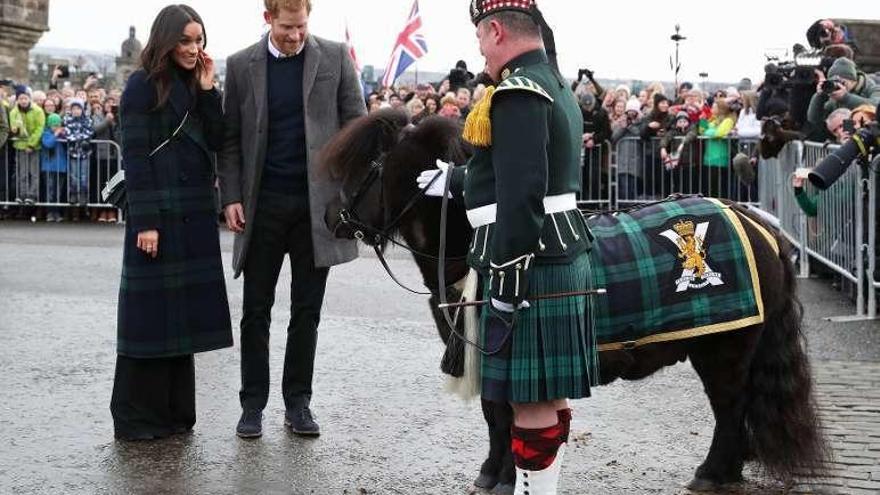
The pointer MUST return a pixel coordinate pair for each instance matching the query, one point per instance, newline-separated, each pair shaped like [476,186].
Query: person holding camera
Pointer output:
[844,87]
[459,76]
[597,131]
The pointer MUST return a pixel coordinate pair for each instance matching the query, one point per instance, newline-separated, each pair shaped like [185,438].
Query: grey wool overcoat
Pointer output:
[332,96]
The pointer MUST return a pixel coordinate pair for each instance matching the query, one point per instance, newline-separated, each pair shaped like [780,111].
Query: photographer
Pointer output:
[864,144]
[597,89]
[59,72]
[597,131]
[845,87]
[840,125]
[459,77]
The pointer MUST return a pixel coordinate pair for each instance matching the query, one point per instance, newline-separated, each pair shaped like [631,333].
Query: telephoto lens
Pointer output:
[862,145]
[834,165]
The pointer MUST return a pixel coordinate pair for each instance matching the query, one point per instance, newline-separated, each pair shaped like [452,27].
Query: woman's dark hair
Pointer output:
[164,36]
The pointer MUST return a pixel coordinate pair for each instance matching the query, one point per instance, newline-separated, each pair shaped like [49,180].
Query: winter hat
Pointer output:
[623,87]
[658,97]
[633,105]
[53,120]
[79,102]
[843,68]
[21,89]
[682,115]
[745,84]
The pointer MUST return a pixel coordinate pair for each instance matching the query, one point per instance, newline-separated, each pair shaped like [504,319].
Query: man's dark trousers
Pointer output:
[281,226]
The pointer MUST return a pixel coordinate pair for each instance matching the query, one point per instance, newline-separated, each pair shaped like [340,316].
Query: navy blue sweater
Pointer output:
[286,168]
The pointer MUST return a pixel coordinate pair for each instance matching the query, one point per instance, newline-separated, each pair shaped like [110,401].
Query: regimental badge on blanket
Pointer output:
[691,242]
[673,270]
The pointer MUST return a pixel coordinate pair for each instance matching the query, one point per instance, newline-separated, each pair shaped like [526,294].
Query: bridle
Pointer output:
[348,217]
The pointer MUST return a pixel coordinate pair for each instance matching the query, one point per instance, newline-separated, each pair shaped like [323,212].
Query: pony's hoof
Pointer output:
[502,489]
[702,485]
[485,481]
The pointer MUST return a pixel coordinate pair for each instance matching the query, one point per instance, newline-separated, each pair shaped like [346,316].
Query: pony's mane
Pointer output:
[418,149]
[362,140]
[420,146]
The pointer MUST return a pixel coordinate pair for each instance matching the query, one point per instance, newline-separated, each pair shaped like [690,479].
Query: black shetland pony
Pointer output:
[757,378]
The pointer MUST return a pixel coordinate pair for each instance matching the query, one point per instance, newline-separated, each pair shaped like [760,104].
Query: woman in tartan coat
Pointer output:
[172,298]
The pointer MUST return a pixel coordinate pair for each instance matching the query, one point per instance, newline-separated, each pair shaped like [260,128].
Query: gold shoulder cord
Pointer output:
[478,126]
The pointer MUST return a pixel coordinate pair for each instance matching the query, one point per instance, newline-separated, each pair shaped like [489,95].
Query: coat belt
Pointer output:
[485,215]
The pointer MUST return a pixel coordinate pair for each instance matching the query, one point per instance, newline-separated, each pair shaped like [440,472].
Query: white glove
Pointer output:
[439,185]
[507,307]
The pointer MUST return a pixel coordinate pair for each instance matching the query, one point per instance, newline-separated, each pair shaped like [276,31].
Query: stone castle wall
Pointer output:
[22,23]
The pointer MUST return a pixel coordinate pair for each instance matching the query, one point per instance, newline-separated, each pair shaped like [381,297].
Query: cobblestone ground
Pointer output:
[849,398]
[387,426]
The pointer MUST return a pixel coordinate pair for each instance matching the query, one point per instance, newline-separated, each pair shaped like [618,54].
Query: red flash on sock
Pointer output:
[535,449]
[564,416]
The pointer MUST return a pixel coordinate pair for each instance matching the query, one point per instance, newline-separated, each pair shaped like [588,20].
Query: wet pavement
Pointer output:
[387,426]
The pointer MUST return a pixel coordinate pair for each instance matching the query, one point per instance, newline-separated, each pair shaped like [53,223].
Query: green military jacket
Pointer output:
[520,189]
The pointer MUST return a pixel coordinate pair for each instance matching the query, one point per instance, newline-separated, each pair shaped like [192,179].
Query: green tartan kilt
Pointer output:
[551,353]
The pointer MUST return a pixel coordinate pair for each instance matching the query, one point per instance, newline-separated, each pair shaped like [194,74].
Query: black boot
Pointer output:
[300,420]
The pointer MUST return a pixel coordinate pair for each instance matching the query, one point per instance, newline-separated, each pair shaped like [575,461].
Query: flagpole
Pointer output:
[417,73]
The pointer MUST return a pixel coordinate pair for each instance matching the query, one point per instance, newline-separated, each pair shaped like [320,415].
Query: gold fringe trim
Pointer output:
[478,126]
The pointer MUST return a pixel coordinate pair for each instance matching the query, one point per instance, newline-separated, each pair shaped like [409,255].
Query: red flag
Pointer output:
[351,52]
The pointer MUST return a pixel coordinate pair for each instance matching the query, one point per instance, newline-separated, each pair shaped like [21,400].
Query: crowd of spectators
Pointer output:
[60,150]
[453,97]
[53,154]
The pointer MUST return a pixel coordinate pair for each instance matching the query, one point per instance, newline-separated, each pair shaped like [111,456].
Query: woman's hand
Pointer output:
[205,70]
[148,242]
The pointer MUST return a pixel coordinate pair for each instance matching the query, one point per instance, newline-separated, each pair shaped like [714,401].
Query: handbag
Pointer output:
[114,192]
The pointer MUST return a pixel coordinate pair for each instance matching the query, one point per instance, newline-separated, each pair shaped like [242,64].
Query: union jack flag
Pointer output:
[409,47]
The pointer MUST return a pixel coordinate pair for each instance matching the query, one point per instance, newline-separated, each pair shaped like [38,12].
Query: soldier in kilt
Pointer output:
[530,239]
[172,298]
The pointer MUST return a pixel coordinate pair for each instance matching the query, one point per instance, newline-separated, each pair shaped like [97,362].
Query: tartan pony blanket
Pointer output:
[673,270]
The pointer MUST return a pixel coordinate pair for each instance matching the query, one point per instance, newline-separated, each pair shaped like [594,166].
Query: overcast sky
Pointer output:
[624,40]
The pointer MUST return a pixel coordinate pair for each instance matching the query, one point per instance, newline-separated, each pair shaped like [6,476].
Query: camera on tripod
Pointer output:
[864,144]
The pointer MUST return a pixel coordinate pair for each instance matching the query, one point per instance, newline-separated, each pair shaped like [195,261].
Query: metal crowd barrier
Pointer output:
[842,236]
[841,233]
[870,180]
[632,171]
[71,178]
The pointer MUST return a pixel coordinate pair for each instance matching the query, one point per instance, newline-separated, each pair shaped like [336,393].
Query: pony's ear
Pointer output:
[361,141]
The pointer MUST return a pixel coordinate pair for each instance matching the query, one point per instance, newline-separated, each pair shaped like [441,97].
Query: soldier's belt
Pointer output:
[485,215]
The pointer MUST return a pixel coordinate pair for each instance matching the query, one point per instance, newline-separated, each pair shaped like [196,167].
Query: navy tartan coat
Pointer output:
[174,304]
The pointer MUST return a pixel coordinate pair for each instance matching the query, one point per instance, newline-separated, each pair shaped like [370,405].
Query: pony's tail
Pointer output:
[782,419]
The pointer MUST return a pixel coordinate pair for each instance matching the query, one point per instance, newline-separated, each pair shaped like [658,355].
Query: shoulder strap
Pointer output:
[522,83]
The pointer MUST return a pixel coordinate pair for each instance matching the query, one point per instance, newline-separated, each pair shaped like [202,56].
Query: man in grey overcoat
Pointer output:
[285,97]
